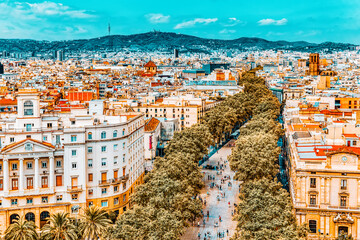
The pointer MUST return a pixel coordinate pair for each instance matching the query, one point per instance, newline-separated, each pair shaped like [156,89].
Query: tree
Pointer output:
[59,227]
[21,229]
[93,222]
[254,157]
[265,212]
[146,223]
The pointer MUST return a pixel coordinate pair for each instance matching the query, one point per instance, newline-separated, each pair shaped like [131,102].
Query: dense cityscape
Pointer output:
[202,120]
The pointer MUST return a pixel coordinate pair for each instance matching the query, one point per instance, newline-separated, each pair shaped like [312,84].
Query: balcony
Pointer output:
[103,183]
[73,189]
[125,178]
[120,179]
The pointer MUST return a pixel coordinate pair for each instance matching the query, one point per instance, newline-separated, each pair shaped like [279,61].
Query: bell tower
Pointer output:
[314,69]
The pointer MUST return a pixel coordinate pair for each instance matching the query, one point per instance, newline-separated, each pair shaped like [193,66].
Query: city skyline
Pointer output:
[64,20]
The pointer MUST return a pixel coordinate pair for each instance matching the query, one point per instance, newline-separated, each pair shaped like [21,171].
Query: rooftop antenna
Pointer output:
[109,29]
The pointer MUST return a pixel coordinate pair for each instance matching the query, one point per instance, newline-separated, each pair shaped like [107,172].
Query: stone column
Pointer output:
[21,175]
[51,175]
[322,190]
[298,189]
[303,188]
[37,174]
[327,186]
[358,194]
[322,224]
[6,174]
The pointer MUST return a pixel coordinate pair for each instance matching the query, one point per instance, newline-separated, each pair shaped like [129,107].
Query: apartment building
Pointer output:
[64,161]
[187,109]
[324,170]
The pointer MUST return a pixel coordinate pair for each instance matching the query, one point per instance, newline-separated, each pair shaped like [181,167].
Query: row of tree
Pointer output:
[265,210]
[92,224]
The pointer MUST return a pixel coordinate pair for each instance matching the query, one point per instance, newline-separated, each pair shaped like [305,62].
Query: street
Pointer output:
[217,201]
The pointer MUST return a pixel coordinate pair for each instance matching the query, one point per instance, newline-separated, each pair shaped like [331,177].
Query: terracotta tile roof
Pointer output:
[6,102]
[151,125]
[150,64]
[28,139]
[352,135]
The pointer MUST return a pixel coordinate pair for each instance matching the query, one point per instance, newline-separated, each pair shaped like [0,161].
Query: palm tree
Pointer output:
[21,229]
[60,226]
[94,222]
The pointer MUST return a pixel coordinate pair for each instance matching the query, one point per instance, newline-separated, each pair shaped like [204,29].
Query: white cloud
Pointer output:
[157,18]
[233,22]
[269,21]
[192,23]
[227,31]
[56,9]
[45,20]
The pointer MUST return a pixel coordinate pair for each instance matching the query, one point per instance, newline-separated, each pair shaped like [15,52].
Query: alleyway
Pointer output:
[215,207]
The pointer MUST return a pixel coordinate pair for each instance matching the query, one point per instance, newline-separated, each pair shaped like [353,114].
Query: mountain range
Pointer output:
[163,41]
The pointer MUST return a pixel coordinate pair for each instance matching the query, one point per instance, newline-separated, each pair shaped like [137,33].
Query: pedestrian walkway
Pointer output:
[217,201]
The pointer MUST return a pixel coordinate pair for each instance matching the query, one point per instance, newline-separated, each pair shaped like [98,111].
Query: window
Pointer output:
[1,185]
[89,149]
[312,226]
[123,145]
[74,165]
[29,201]
[59,198]
[354,142]
[313,182]
[91,203]
[74,197]
[14,201]
[103,135]
[115,147]
[29,165]
[123,131]
[343,184]
[49,125]
[116,201]
[28,127]
[73,152]
[72,122]
[115,160]
[58,163]
[116,188]
[343,200]
[29,183]
[28,108]
[103,162]
[115,134]
[90,192]
[14,166]
[103,149]
[44,199]
[123,158]
[312,199]
[103,190]
[44,182]
[44,164]
[90,177]
[90,162]
[104,203]
[12,139]
[124,198]
[73,138]
[14,184]
[90,135]
[45,138]
[59,181]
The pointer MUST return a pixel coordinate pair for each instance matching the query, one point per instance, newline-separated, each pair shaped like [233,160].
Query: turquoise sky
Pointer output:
[314,21]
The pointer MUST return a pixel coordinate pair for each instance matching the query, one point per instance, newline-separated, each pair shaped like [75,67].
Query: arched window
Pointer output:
[115,134]
[30,217]
[90,135]
[312,226]
[13,217]
[123,133]
[103,135]
[43,218]
[28,108]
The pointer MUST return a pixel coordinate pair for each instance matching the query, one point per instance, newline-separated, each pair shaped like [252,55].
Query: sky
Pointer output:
[292,20]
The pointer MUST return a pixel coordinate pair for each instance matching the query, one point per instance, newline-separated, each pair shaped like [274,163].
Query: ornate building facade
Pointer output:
[64,161]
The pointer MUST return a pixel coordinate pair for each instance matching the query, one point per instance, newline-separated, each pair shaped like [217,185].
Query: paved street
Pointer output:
[216,207]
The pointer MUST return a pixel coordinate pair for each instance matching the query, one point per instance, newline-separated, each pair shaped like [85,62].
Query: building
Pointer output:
[151,140]
[176,53]
[314,64]
[1,68]
[63,161]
